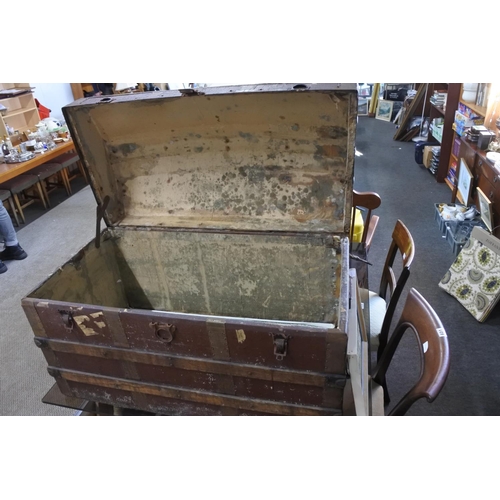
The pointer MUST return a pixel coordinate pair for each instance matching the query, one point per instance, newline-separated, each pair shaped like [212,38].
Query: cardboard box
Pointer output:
[437,133]
[427,156]
[467,121]
[466,111]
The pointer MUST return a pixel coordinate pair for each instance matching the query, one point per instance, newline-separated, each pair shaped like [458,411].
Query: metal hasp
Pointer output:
[280,342]
[67,317]
[164,331]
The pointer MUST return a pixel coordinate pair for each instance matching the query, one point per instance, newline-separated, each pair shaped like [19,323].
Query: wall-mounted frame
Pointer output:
[384,110]
[486,209]
[464,183]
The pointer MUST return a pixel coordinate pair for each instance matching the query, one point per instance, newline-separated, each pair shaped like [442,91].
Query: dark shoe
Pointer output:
[3,267]
[13,253]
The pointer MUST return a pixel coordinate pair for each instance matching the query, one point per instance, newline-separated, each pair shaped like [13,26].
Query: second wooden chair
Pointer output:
[383,304]
[363,204]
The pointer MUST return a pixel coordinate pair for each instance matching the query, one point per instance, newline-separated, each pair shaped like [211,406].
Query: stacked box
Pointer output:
[436,153]
[437,217]
[427,158]
[440,220]
[458,233]
[466,111]
[463,122]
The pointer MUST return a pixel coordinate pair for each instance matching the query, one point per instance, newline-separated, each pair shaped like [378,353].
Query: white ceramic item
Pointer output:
[52,124]
[469,92]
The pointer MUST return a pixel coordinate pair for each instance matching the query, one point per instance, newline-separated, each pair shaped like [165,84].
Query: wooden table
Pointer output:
[10,170]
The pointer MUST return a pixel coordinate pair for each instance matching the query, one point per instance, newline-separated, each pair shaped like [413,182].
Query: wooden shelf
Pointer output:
[453,156]
[19,112]
[480,110]
[447,113]
[18,96]
[438,109]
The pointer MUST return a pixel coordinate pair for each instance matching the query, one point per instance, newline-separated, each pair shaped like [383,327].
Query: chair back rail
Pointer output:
[402,244]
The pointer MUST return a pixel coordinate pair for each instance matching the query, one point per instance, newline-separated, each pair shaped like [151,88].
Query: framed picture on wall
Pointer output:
[464,183]
[485,209]
[384,110]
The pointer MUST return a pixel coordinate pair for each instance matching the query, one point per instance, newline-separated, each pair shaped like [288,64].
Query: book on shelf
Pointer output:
[438,98]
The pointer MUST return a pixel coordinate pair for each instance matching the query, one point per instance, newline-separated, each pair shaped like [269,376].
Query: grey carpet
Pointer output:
[50,240]
[409,193]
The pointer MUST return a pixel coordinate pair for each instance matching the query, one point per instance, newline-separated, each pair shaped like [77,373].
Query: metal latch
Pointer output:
[67,317]
[280,342]
[164,331]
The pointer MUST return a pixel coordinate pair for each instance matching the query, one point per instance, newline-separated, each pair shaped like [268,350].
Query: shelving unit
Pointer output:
[485,176]
[448,115]
[457,139]
[460,152]
[22,113]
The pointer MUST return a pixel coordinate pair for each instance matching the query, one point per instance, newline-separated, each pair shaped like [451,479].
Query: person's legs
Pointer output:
[7,231]
[13,250]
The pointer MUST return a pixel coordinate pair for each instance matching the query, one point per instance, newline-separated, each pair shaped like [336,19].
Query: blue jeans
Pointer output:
[7,231]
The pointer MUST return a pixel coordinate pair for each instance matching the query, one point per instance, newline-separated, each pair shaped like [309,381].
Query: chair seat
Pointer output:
[47,170]
[66,159]
[4,194]
[20,183]
[378,308]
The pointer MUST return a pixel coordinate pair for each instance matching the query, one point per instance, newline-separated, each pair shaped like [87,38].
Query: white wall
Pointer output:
[53,96]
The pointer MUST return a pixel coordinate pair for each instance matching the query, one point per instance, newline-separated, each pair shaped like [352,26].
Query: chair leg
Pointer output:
[19,208]
[65,179]
[40,193]
[13,210]
[44,189]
